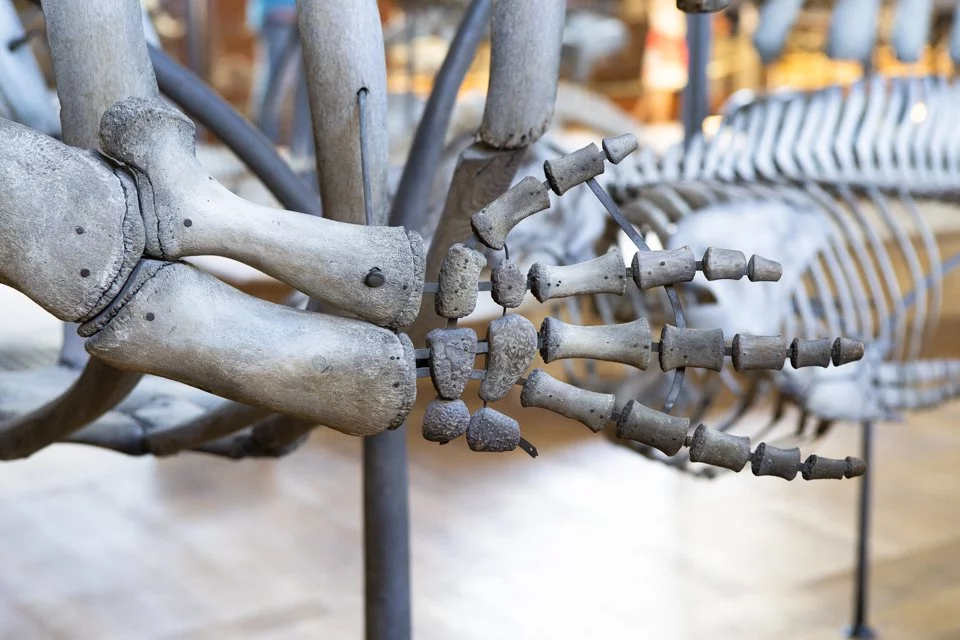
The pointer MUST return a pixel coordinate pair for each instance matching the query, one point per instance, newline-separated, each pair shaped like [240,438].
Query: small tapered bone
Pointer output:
[490,430]
[445,420]
[702,348]
[819,468]
[654,428]
[845,350]
[628,343]
[618,148]
[494,221]
[724,264]
[508,284]
[810,353]
[452,352]
[568,171]
[459,278]
[511,346]
[719,449]
[702,6]
[855,467]
[773,461]
[760,269]
[758,352]
[605,274]
[589,407]
[657,268]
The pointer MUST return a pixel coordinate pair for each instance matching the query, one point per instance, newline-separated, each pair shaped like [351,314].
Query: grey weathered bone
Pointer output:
[653,428]
[810,353]
[492,431]
[845,350]
[760,269]
[182,324]
[445,420]
[758,352]
[628,343]
[619,147]
[724,264]
[589,407]
[187,213]
[820,468]
[657,268]
[522,200]
[459,276]
[568,171]
[511,347]
[719,449]
[774,461]
[604,274]
[702,348]
[508,285]
[702,6]
[452,352]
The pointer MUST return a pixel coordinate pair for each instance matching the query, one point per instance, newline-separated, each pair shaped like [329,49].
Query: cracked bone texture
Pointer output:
[188,326]
[589,407]
[187,213]
[657,268]
[719,449]
[653,428]
[702,348]
[627,343]
[568,171]
[604,274]
[758,352]
[522,200]
[459,278]
[492,431]
[524,65]
[445,420]
[452,352]
[511,347]
[70,228]
[508,284]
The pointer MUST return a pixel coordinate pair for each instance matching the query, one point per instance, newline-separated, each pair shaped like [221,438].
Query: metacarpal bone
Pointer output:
[628,343]
[187,213]
[175,321]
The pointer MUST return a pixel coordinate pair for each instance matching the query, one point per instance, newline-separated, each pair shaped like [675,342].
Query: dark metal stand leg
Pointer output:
[695,106]
[386,536]
[859,627]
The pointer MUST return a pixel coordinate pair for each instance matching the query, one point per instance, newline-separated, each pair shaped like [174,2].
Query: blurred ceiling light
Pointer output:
[918,112]
[710,125]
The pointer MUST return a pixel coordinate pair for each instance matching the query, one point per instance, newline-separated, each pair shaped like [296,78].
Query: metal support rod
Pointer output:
[696,103]
[859,627]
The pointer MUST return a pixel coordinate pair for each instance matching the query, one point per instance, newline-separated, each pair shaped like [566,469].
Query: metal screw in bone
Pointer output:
[452,352]
[719,449]
[568,171]
[758,352]
[619,147]
[768,460]
[845,351]
[702,348]
[508,284]
[724,264]
[702,6]
[511,347]
[759,269]
[589,407]
[494,221]
[605,274]
[810,353]
[490,430]
[657,268]
[627,343]
[654,428]
[456,296]
[445,420]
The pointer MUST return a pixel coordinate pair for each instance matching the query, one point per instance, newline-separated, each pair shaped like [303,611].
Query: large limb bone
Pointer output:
[375,272]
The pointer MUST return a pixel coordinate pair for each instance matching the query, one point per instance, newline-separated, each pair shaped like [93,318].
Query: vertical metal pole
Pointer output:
[695,105]
[859,628]
[197,33]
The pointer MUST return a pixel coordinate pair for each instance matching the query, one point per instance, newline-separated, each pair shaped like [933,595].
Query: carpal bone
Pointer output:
[508,285]
[445,420]
[653,428]
[589,407]
[702,348]
[187,213]
[70,227]
[458,282]
[511,347]
[605,274]
[568,171]
[452,352]
[758,352]
[774,461]
[522,200]
[491,431]
[183,324]
[719,449]
[627,343]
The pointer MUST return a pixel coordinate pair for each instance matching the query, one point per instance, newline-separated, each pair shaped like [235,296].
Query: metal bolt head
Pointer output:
[375,278]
